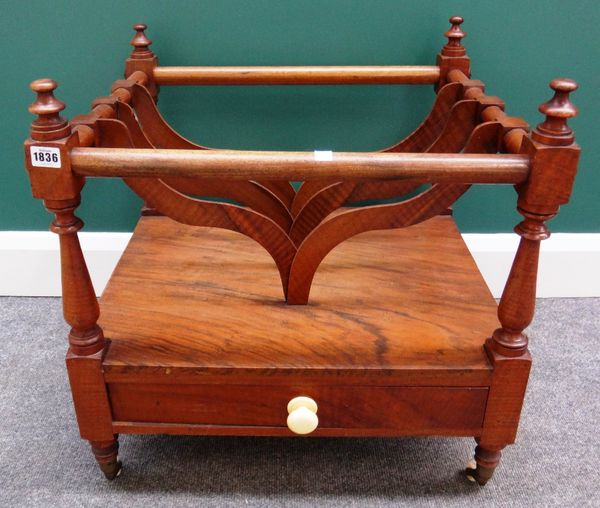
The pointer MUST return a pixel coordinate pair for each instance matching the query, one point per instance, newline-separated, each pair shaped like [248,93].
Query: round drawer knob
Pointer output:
[302,418]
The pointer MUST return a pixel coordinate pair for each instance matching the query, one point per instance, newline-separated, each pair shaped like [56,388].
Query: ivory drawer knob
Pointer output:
[302,417]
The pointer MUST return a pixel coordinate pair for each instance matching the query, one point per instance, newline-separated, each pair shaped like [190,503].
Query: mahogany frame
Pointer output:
[467,139]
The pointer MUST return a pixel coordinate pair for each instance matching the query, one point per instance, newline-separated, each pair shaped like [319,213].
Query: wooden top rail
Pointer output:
[323,75]
[245,165]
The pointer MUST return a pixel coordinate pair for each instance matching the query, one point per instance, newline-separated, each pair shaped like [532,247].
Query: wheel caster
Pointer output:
[112,469]
[478,474]
[471,471]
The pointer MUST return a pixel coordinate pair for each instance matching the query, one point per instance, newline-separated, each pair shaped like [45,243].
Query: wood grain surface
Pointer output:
[400,408]
[198,338]
[291,166]
[201,302]
[297,75]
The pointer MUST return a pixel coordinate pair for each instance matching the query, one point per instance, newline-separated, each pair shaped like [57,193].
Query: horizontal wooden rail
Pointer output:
[325,75]
[243,165]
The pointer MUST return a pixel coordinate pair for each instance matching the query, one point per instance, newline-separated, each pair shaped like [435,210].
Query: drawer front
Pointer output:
[417,410]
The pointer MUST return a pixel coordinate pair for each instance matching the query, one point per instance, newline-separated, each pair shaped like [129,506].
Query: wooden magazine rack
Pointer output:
[401,335]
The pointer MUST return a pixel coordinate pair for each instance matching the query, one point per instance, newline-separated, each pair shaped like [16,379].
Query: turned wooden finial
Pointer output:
[554,129]
[455,34]
[48,123]
[141,43]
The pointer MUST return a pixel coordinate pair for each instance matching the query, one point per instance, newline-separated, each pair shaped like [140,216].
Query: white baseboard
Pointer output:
[569,262]
[30,261]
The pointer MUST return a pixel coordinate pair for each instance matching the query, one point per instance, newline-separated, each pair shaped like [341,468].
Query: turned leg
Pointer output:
[60,189]
[107,456]
[484,465]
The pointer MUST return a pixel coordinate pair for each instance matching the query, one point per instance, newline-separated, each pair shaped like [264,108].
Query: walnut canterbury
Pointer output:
[135,381]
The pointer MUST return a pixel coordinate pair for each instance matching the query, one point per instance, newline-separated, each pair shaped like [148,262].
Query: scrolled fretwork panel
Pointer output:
[196,212]
[154,126]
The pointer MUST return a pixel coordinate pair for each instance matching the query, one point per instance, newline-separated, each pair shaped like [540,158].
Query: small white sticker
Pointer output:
[323,155]
[45,156]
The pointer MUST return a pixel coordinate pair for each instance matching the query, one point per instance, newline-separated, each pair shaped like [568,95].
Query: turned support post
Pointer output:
[554,156]
[554,161]
[53,181]
[80,306]
[517,304]
[143,60]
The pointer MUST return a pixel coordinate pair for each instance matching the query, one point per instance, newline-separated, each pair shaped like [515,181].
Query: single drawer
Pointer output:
[405,410]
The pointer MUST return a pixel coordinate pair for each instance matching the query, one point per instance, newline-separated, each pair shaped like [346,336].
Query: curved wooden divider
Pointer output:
[433,125]
[335,230]
[249,193]
[187,210]
[376,190]
[156,128]
[311,235]
[460,123]
[320,206]
[306,192]
[162,135]
[418,141]
[283,190]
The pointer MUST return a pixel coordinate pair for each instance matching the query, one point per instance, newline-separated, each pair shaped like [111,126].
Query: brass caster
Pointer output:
[471,471]
[111,469]
[478,474]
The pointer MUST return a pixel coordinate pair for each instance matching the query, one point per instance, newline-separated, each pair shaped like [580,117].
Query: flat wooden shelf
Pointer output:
[202,303]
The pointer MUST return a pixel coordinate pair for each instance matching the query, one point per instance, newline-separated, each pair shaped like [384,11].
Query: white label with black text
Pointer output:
[45,156]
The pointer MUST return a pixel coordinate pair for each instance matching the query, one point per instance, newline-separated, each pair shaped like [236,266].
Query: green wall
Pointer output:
[516,47]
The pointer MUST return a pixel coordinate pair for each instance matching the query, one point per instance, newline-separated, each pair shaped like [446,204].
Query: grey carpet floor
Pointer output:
[44,463]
